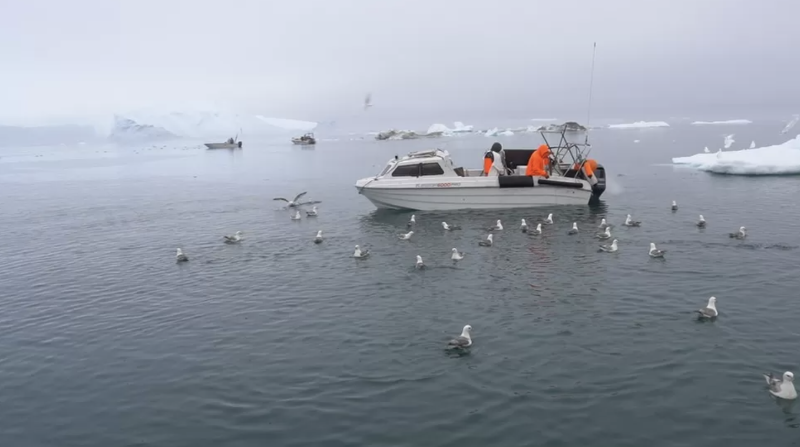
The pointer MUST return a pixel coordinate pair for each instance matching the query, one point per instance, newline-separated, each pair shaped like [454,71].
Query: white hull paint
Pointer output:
[445,199]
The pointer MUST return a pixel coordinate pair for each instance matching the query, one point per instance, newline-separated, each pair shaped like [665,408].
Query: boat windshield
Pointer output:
[389,166]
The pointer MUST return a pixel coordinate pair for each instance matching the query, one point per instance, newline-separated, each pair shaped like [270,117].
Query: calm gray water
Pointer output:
[281,342]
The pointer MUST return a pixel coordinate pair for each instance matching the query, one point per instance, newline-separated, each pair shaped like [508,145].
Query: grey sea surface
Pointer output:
[278,341]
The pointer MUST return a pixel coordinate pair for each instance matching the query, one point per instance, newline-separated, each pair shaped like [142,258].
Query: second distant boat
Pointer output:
[306,139]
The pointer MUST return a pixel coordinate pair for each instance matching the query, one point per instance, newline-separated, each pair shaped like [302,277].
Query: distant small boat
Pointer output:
[232,143]
[305,139]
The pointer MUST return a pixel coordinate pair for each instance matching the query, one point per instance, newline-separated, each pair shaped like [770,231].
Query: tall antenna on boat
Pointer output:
[591,85]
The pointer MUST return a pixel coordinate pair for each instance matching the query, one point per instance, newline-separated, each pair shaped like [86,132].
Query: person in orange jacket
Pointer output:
[589,166]
[537,164]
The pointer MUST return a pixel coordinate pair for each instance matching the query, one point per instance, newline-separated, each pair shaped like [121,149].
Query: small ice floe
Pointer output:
[296,215]
[610,248]
[462,341]
[318,238]
[523,226]
[313,212]
[180,256]
[487,242]
[654,252]
[235,239]
[574,229]
[419,265]
[674,206]
[538,229]
[497,226]
[701,223]
[456,256]
[782,387]
[412,221]
[710,311]
[753,144]
[631,223]
[605,235]
[360,254]
[549,220]
[406,236]
[448,227]
[706,150]
[741,234]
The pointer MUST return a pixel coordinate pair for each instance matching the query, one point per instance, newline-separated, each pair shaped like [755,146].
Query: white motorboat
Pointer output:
[429,181]
[232,143]
[305,140]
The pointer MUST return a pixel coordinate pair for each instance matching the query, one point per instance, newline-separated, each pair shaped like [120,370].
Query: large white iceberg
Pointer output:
[214,125]
[127,130]
[711,123]
[639,125]
[780,159]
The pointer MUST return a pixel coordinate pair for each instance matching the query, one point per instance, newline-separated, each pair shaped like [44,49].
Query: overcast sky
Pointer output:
[315,59]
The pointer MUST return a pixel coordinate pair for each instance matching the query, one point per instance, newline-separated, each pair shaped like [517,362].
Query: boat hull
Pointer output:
[460,198]
[304,143]
[223,145]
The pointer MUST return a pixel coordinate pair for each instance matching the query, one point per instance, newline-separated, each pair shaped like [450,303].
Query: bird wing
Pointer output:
[298,196]
[459,341]
[281,198]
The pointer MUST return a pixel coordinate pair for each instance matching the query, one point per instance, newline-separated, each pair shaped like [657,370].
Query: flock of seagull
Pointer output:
[781,387]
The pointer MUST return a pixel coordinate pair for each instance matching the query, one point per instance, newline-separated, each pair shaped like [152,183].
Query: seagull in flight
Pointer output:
[368,101]
[296,202]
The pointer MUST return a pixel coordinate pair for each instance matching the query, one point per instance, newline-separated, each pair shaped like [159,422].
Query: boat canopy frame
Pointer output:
[566,147]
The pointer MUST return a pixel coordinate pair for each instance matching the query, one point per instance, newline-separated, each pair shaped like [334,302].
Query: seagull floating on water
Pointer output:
[360,254]
[631,223]
[549,220]
[180,257]
[753,144]
[610,248]
[406,236]
[456,256]
[296,215]
[741,234]
[450,227]
[654,252]
[296,202]
[236,238]
[487,242]
[574,229]
[701,223]
[313,212]
[710,311]
[412,221]
[318,239]
[674,206]
[538,229]
[706,150]
[783,388]
[605,235]
[462,341]
[603,224]
[497,227]
[419,264]
[523,226]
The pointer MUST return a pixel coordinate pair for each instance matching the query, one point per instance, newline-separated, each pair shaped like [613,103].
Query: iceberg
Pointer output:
[218,125]
[712,123]
[439,130]
[780,159]
[639,125]
[128,130]
[458,127]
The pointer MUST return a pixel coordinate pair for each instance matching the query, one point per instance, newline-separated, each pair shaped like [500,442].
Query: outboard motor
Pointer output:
[600,186]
